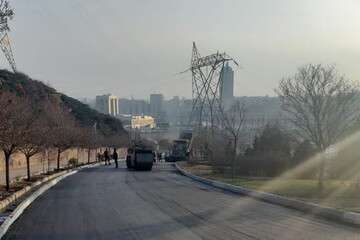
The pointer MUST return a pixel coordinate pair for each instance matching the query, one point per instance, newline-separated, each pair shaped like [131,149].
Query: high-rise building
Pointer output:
[156,105]
[134,106]
[125,106]
[227,86]
[107,104]
[172,109]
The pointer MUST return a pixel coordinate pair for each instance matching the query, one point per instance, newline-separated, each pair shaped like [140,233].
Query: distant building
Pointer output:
[185,111]
[260,111]
[178,111]
[172,109]
[156,105]
[141,122]
[134,107]
[107,104]
[124,106]
[227,86]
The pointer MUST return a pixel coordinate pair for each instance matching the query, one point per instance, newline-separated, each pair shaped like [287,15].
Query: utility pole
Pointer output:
[206,81]
[6,14]
[206,95]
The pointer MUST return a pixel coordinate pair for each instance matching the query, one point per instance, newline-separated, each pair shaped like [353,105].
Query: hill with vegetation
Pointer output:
[37,91]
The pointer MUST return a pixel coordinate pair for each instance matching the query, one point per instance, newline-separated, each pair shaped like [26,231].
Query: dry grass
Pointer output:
[336,193]
[18,185]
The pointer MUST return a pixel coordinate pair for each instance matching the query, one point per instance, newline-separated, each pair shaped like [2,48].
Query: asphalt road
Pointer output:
[104,203]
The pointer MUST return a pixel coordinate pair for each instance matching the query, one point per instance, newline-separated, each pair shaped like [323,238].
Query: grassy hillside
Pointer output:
[37,91]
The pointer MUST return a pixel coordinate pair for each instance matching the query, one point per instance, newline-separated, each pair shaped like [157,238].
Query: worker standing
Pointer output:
[107,157]
[115,157]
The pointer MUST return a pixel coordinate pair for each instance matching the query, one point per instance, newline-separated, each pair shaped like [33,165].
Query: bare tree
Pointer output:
[321,104]
[86,140]
[90,143]
[34,138]
[117,140]
[232,122]
[14,115]
[63,130]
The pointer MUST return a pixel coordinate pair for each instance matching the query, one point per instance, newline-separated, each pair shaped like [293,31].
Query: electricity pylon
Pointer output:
[206,81]
[6,14]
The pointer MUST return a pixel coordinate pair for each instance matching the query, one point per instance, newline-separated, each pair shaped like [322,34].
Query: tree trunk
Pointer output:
[58,159]
[48,160]
[7,171]
[321,175]
[233,158]
[28,167]
[89,151]
[321,168]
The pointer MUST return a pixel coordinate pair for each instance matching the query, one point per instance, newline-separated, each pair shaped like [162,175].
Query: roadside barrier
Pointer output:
[351,218]
[4,227]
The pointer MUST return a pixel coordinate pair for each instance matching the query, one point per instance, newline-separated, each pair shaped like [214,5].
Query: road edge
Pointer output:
[5,203]
[329,213]
[4,227]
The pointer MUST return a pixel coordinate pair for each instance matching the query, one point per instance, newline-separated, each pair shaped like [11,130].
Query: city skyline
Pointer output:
[134,56]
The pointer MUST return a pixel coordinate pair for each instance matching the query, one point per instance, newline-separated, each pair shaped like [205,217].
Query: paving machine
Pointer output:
[139,158]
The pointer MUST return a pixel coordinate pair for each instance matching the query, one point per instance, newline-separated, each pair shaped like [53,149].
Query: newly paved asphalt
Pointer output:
[104,203]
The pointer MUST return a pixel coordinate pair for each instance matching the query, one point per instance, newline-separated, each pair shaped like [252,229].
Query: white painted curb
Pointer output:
[23,205]
[312,208]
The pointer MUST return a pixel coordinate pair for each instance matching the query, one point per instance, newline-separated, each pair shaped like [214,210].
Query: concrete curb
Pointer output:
[9,200]
[351,218]
[23,205]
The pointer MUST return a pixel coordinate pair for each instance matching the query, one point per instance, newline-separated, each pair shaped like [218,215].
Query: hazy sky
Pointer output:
[135,47]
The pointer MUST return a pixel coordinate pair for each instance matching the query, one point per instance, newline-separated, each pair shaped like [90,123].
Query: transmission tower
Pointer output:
[206,81]
[6,13]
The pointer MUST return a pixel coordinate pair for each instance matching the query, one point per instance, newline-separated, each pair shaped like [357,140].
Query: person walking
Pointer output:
[115,157]
[107,157]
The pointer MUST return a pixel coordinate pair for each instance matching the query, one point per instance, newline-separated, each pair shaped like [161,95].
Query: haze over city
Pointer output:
[134,48]
[169,119]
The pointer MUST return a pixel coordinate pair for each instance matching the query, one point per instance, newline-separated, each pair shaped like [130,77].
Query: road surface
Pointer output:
[108,203]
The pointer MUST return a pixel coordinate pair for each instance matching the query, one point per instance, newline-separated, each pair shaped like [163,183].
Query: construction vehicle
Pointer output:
[178,151]
[180,147]
[139,158]
[140,154]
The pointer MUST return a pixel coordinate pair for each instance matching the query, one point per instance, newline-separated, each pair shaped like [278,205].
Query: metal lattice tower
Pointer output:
[206,82]
[6,13]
